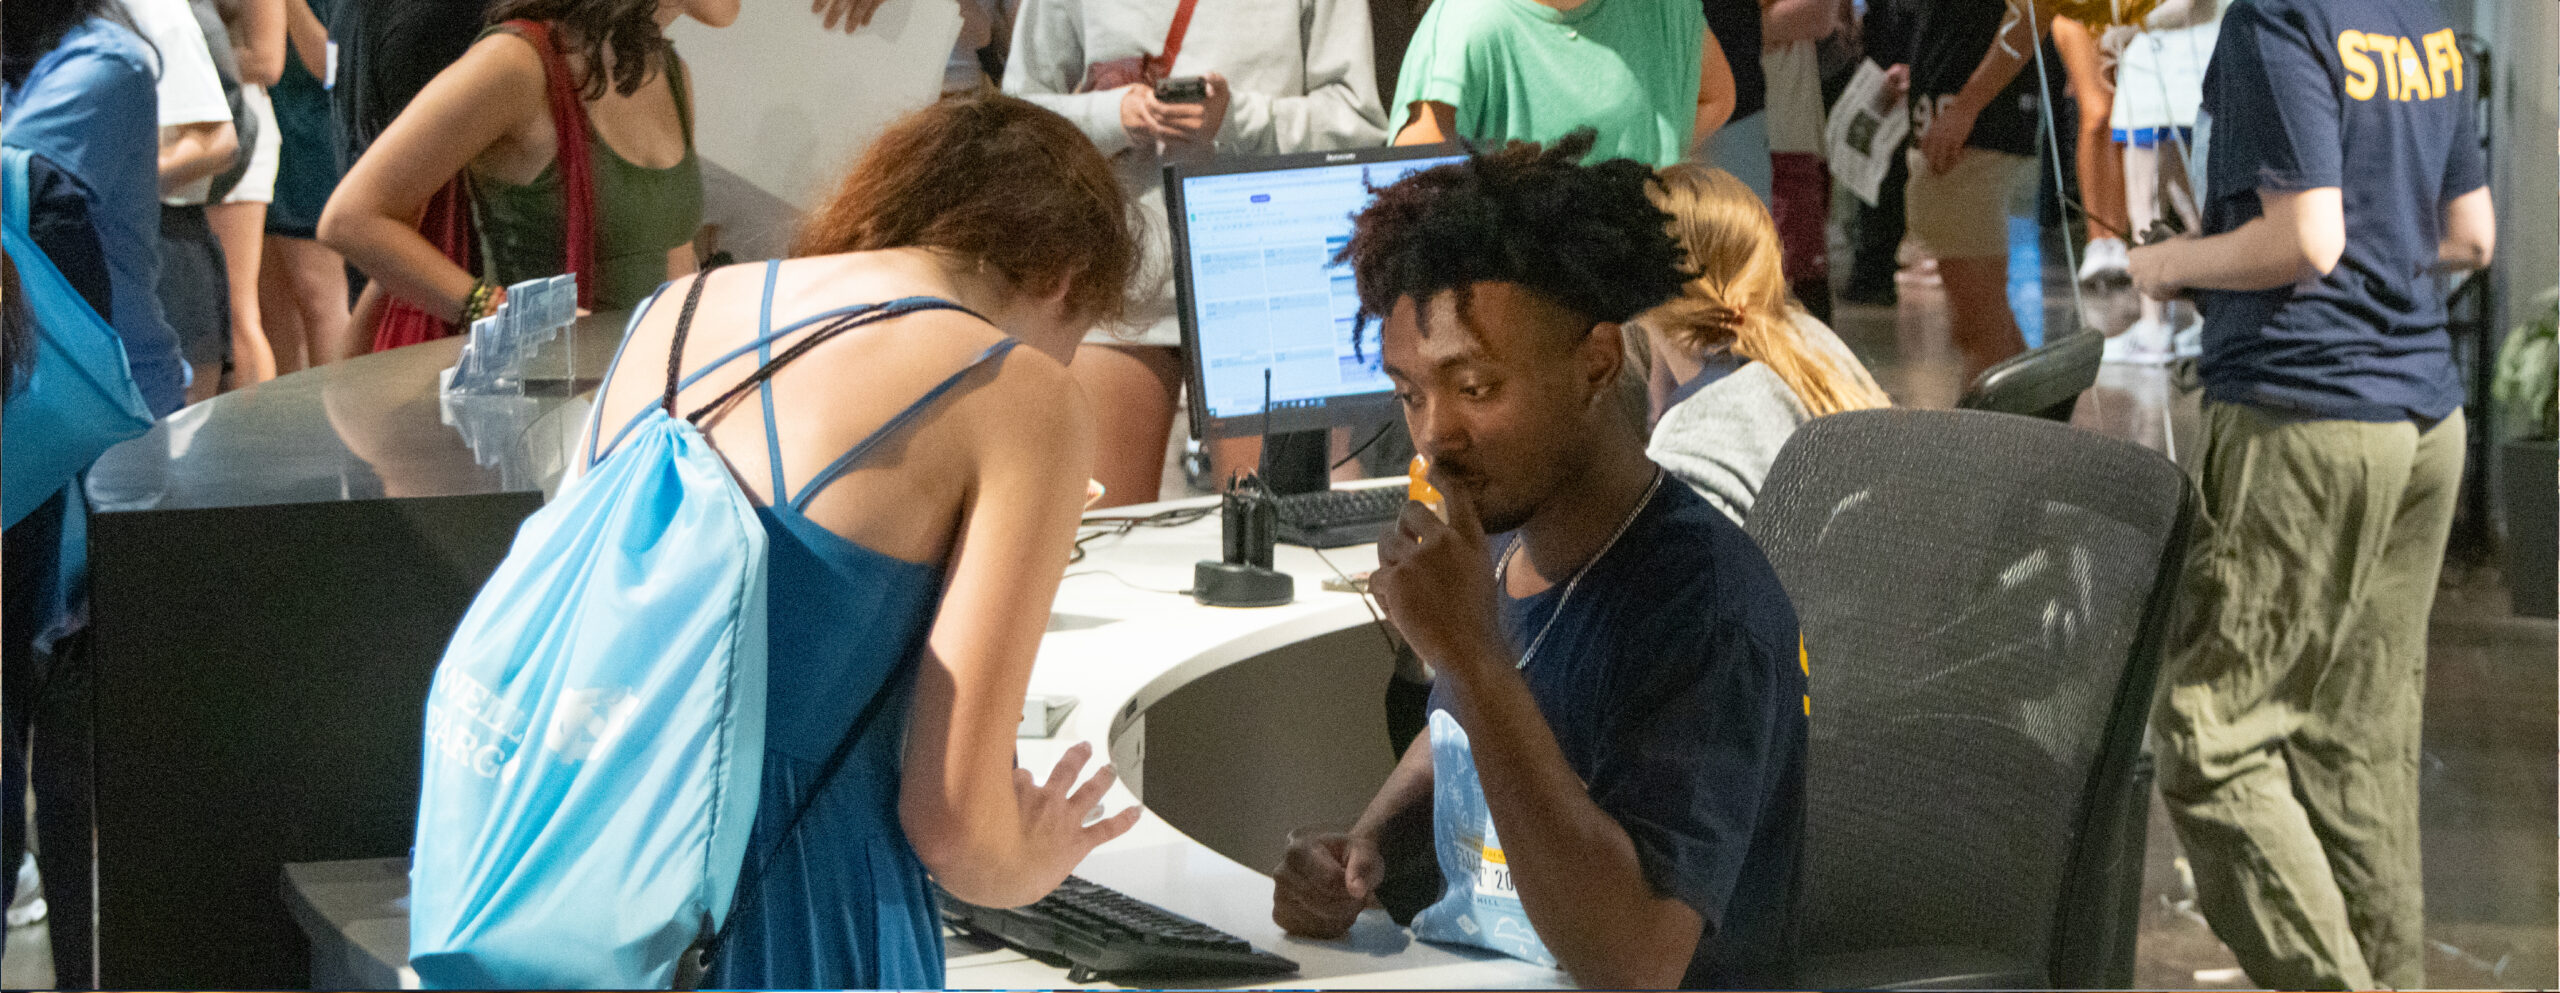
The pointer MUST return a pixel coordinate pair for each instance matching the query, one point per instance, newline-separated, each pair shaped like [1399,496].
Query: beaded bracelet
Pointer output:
[475,305]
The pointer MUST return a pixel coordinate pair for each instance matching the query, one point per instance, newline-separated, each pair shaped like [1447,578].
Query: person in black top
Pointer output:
[1973,112]
[1876,232]
[1614,771]
[2342,175]
[387,51]
[1741,146]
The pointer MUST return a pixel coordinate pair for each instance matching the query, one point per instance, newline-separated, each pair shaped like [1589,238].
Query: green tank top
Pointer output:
[641,214]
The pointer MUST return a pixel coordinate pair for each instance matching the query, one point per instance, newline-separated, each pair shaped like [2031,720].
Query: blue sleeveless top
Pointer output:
[842,902]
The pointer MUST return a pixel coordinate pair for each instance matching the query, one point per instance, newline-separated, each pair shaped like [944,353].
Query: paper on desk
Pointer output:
[1866,132]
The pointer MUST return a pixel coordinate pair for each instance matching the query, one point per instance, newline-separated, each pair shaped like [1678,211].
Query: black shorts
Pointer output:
[195,291]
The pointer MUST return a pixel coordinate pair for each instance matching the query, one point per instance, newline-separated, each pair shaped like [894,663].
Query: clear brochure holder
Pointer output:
[507,345]
[484,395]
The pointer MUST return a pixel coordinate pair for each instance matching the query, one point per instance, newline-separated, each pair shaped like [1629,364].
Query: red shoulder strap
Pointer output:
[577,175]
[1163,64]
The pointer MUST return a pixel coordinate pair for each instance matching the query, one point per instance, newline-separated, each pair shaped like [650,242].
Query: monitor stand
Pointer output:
[1297,466]
[1294,462]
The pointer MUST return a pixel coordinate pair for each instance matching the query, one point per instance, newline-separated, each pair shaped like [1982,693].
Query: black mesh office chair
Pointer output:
[1982,599]
[2039,382]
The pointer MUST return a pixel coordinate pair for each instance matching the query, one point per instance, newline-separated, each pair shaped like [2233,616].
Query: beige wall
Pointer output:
[784,105]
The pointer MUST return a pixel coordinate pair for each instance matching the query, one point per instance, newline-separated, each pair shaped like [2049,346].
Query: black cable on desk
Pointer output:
[1093,528]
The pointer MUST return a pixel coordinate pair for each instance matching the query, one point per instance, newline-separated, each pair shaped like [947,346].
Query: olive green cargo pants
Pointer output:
[2288,722]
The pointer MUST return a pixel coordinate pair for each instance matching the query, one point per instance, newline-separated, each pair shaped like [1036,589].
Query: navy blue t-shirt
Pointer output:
[1674,683]
[2372,97]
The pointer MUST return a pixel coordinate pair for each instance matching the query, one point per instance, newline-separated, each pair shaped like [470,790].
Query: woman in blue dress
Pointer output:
[920,478]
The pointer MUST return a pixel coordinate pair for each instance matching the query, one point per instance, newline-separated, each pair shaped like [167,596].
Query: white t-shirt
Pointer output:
[190,91]
[1794,75]
[2160,77]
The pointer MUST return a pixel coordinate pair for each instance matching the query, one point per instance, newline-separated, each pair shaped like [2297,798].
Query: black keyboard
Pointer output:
[1100,933]
[1335,518]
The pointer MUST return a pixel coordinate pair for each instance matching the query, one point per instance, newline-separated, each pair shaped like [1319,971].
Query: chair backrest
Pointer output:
[2041,382]
[1981,597]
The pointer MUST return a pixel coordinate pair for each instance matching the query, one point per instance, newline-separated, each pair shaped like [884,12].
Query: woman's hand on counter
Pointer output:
[1054,817]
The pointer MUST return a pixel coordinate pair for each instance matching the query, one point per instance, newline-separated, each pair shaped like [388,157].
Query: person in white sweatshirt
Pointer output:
[1282,77]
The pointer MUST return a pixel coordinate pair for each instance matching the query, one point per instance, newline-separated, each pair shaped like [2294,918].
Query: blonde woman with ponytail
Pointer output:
[1736,364]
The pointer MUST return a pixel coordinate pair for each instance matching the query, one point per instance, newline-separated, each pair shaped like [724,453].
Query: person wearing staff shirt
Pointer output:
[2342,176]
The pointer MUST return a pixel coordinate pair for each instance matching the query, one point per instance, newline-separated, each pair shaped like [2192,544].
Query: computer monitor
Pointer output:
[1264,309]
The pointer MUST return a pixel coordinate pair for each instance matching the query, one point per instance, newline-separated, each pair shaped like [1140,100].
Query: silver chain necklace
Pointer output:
[1502,569]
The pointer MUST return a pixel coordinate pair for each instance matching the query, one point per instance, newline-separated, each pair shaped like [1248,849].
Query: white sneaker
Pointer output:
[2188,342]
[2106,261]
[2145,343]
[28,906]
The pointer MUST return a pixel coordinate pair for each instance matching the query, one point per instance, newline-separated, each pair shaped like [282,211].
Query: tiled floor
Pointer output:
[2492,719]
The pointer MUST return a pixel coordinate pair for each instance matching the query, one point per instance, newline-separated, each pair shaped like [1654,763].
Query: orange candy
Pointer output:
[1418,489]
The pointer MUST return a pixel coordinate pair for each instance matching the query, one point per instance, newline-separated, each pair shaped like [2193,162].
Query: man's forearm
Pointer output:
[1573,865]
[1407,787]
[2010,51]
[2258,255]
[200,150]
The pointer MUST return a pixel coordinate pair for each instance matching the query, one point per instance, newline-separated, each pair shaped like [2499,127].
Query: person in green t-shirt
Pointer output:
[1646,73]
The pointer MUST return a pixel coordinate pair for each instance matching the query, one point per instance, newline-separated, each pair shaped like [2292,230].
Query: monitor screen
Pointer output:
[1254,242]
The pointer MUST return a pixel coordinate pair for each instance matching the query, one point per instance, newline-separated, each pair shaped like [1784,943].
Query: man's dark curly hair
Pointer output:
[1586,237]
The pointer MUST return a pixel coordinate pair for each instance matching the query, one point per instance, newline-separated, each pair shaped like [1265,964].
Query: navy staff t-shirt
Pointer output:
[2372,97]
[1674,682]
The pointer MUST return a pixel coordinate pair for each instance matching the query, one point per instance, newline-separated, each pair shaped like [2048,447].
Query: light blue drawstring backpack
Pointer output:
[79,399]
[596,729]
[595,732]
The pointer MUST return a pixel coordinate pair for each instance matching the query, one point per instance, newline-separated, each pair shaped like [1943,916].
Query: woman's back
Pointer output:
[856,571]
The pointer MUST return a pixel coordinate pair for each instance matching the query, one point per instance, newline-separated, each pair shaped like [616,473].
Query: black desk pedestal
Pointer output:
[256,710]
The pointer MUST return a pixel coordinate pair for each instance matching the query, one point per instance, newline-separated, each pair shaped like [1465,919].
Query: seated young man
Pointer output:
[1615,766]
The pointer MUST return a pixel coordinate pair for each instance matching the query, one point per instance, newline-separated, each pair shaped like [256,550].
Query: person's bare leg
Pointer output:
[316,279]
[286,338]
[1132,390]
[1978,316]
[2099,160]
[362,319]
[241,228]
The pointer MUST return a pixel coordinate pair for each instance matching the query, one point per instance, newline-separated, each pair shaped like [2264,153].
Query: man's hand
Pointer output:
[1897,82]
[1942,145]
[1323,883]
[849,14]
[2150,265]
[1435,581]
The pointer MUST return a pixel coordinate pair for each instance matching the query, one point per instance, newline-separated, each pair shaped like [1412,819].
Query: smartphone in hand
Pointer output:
[1183,89]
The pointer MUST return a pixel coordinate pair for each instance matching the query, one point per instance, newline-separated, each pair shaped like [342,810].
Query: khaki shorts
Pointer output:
[1963,213]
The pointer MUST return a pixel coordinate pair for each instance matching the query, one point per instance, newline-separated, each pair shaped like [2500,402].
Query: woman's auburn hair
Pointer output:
[1738,299]
[998,180]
